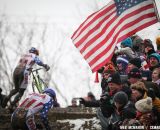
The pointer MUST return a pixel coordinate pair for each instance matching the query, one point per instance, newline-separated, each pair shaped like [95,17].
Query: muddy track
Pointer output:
[61,119]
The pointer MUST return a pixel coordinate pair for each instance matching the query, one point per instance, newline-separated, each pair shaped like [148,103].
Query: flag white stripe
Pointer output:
[124,32]
[104,57]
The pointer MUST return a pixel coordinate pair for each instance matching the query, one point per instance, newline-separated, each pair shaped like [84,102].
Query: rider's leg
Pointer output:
[18,97]
[17,79]
[24,84]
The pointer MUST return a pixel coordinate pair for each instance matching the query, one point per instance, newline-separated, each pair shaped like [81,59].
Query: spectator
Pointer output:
[134,75]
[124,108]
[134,63]
[137,44]
[126,48]
[139,91]
[154,61]
[89,101]
[109,69]
[122,64]
[148,47]
[145,113]
[73,103]
[90,97]
[123,105]
[106,102]
[156,76]
[155,100]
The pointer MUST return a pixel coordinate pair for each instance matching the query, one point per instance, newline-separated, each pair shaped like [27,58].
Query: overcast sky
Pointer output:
[73,11]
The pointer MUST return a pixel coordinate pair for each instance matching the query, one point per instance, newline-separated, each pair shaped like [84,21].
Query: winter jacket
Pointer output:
[127,112]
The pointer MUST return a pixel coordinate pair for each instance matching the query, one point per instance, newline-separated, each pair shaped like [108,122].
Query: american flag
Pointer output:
[98,35]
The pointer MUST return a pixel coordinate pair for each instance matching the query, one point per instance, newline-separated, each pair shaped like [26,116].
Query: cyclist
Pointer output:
[21,74]
[23,116]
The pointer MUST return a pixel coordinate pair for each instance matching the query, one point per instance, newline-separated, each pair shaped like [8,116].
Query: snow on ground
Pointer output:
[78,123]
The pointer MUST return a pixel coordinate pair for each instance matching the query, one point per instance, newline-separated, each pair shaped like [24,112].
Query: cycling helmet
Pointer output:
[34,50]
[50,91]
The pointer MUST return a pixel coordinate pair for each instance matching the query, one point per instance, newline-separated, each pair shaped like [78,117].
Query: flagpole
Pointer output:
[156,10]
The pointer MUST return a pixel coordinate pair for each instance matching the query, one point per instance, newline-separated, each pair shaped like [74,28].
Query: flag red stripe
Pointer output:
[97,36]
[110,57]
[113,30]
[138,29]
[39,104]
[103,63]
[23,102]
[116,36]
[30,103]
[95,18]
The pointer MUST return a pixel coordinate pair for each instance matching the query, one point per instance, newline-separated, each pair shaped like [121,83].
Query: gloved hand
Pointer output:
[105,97]
[46,67]
[81,101]
[151,93]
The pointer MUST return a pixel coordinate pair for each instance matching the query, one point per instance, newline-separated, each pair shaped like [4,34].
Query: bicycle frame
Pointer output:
[37,81]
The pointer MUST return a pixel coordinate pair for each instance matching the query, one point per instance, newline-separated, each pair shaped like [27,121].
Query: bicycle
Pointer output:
[37,80]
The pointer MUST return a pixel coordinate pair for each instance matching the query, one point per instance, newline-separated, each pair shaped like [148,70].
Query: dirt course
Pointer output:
[61,119]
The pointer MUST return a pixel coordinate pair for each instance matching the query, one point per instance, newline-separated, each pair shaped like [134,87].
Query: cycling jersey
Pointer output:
[35,103]
[28,60]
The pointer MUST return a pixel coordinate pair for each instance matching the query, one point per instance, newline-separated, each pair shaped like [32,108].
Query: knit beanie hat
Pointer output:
[155,55]
[136,62]
[114,78]
[121,98]
[123,60]
[127,42]
[135,73]
[144,105]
